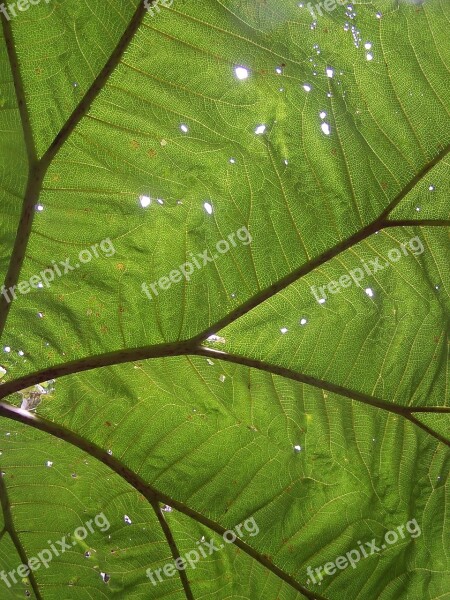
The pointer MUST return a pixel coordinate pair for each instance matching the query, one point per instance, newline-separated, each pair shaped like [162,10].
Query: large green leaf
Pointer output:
[295,383]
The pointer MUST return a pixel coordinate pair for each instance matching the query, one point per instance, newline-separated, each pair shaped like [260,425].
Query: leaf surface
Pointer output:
[296,378]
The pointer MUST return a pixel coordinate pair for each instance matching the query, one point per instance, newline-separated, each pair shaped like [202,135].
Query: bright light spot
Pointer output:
[369,292]
[378,15]
[260,129]
[241,72]
[297,448]
[145,201]
[325,128]
[323,114]
[303,321]
[49,463]
[222,378]
[39,207]
[215,338]
[307,87]
[40,284]
[329,72]
[40,315]
[7,349]
[369,56]
[232,161]
[368,45]
[283,330]
[127,519]
[418,208]
[431,188]
[286,162]
[159,200]
[184,128]
[208,208]
[278,70]
[21,353]
[322,301]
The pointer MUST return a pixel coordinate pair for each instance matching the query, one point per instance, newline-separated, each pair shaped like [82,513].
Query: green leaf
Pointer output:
[225,306]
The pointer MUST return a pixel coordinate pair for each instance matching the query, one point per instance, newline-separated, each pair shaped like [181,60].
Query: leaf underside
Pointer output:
[251,390]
